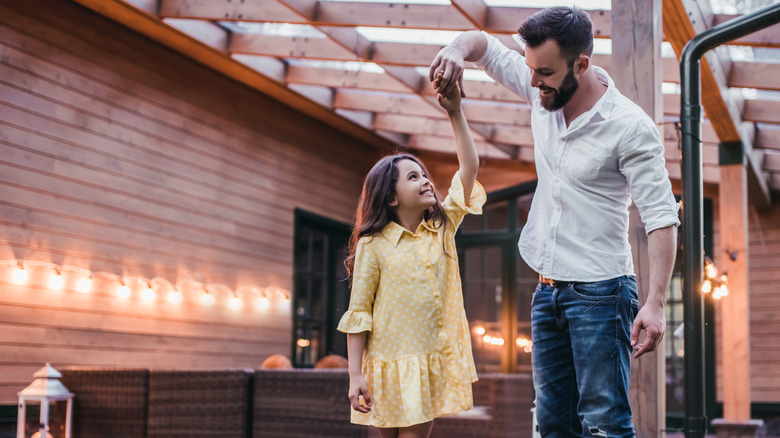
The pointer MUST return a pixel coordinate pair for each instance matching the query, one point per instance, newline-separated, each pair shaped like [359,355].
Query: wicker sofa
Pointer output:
[300,403]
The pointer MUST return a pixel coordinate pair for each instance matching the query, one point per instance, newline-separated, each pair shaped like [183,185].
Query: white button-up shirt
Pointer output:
[588,173]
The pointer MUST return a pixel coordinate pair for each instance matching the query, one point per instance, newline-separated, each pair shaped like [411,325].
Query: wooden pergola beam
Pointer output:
[153,27]
[679,29]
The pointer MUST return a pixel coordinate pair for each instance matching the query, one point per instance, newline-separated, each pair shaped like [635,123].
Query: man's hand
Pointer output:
[447,70]
[652,320]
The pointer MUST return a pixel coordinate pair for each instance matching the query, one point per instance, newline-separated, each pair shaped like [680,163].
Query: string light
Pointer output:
[207,299]
[303,343]
[148,293]
[712,283]
[123,291]
[84,285]
[479,330]
[20,275]
[83,282]
[525,344]
[56,282]
[235,302]
[175,297]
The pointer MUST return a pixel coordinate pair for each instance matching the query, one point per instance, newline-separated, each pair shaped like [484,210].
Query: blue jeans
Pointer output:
[582,357]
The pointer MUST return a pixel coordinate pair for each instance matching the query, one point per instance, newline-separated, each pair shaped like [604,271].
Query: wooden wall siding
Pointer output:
[122,157]
[764,278]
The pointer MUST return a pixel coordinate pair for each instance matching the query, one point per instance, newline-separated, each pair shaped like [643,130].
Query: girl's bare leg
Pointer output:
[422,430]
[388,432]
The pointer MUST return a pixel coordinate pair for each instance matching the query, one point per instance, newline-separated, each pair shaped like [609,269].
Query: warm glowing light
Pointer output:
[706,287]
[303,343]
[207,299]
[20,275]
[38,435]
[680,353]
[148,294]
[123,291]
[262,302]
[480,330]
[235,303]
[56,282]
[175,297]
[710,270]
[717,293]
[724,279]
[493,340]
[84,284]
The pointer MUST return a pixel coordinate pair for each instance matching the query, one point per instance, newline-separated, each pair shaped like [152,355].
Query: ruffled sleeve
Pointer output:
[455,203]
[365,278]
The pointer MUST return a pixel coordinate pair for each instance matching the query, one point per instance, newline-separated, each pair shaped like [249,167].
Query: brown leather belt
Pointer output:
[545,280]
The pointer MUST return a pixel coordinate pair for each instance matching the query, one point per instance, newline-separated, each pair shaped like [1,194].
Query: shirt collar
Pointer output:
[393,231]
[603,106]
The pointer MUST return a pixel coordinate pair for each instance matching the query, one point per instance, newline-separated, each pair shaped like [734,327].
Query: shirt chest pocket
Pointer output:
[404,267]
[583,158]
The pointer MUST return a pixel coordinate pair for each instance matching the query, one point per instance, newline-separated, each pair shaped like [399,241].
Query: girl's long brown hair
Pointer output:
[374,211]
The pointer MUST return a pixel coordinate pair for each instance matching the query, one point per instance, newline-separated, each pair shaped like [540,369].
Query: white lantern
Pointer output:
[45,389]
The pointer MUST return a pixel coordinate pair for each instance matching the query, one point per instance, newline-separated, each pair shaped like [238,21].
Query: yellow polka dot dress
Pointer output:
[406,292]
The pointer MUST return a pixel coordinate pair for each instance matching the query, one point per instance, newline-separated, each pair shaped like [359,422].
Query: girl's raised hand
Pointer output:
[451,100]
[358,387]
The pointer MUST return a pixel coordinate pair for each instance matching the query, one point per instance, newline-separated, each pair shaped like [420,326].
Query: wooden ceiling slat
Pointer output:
[507,19]
[767,37]
[400,15]
[485,112]
[766,111]
[350,39]
[447,144]
[206,32]
[768,137]
[333,77]
[269,11]
[484,90]
[413,125]
[393,103]
[289,47]
[474,10]
[763,75]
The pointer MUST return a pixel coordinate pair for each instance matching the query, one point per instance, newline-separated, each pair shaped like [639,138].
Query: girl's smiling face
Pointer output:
[413,191]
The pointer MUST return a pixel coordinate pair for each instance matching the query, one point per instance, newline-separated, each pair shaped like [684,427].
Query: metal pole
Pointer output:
[690,118]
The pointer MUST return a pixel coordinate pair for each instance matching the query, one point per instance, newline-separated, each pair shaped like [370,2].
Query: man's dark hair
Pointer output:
[571,28]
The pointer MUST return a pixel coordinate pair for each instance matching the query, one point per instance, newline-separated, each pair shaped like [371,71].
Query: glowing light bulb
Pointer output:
[123,291]
[207,299]
[716,293]
[20,275]
[711,270]
[303,343]
[724,290]
[235,303]
[262,303]
[175,297]
[487,339]
[480,330]
[706,287]
[148,294]
[56,282]
[84,284]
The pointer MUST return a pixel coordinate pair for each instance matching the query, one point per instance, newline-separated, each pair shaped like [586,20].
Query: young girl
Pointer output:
[407,336]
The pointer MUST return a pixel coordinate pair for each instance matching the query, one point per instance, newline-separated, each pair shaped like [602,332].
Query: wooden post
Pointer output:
[734,309]
[636,40]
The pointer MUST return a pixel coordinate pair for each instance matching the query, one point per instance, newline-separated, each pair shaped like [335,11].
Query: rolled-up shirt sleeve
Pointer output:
[455,204]
[507,67]
[365,278]
[642,163]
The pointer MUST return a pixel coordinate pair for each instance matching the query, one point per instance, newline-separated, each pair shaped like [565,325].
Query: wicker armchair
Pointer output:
[304,403]
[108,403]
[198,403]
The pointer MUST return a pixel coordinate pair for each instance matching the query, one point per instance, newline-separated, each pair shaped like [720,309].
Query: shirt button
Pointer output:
[440,323]
[436,295]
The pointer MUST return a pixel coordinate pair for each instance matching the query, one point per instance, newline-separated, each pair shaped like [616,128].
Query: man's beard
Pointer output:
[563,94]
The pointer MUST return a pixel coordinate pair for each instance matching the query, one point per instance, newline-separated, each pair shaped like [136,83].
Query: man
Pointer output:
[594,152]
